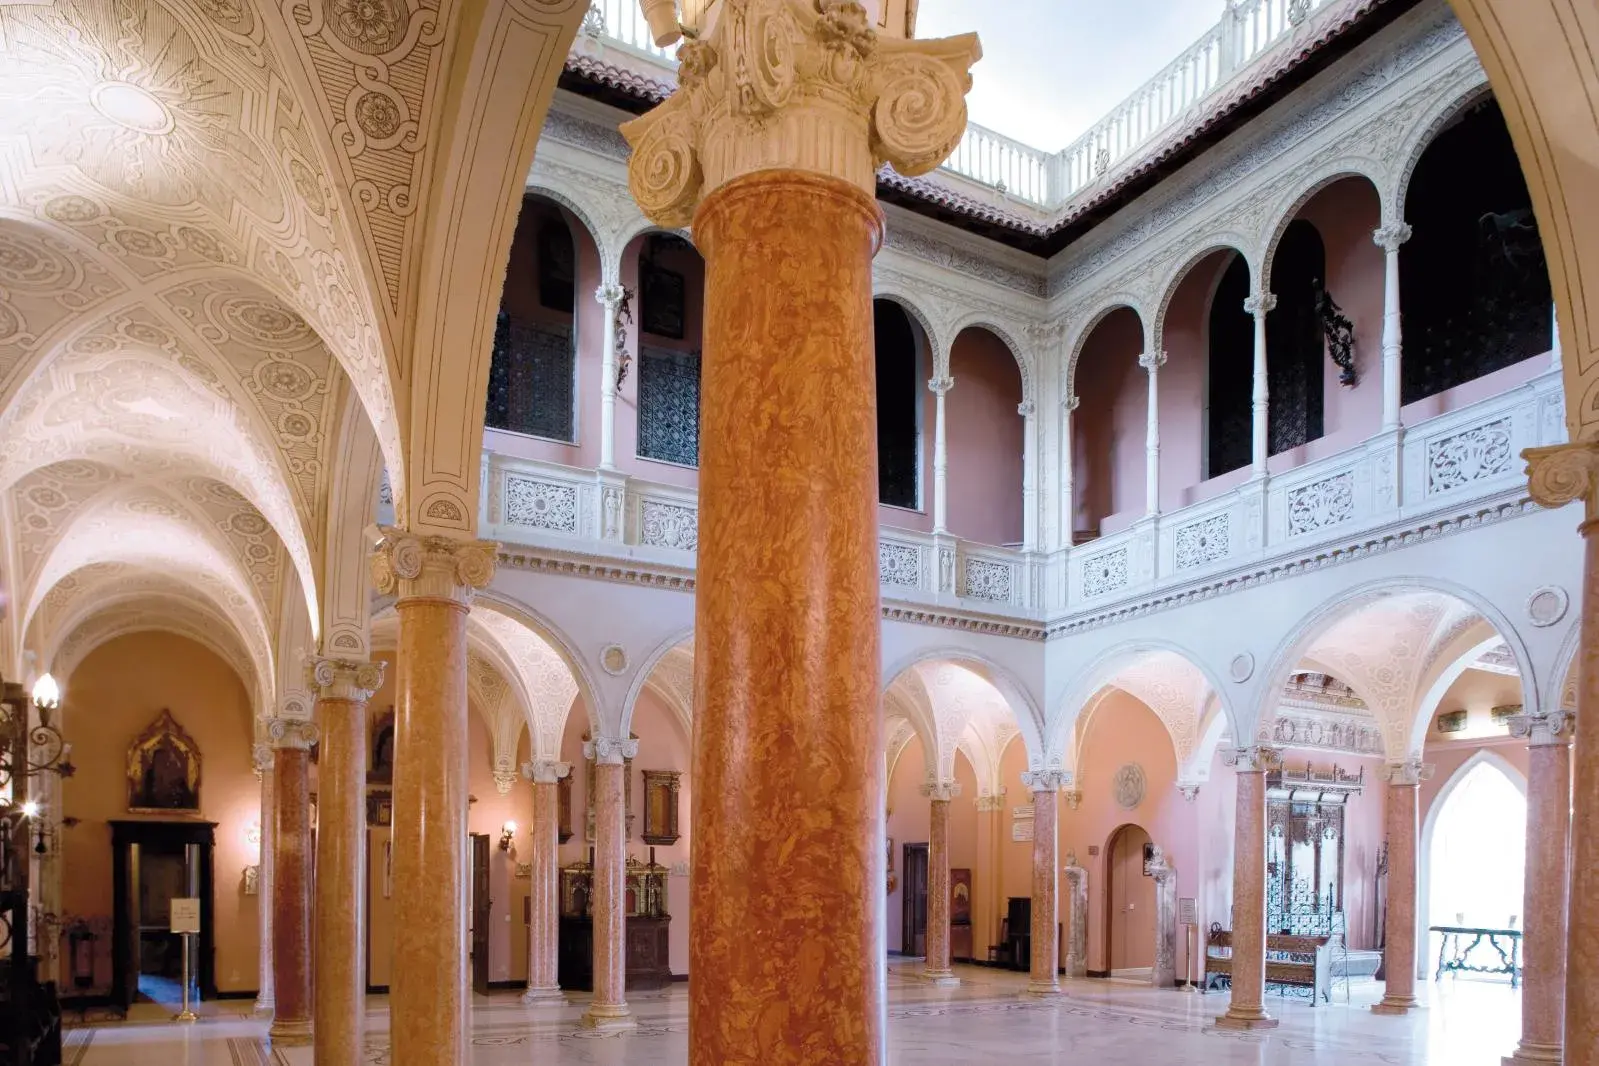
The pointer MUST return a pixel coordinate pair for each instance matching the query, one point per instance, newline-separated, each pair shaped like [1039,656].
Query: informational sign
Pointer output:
[185,914]
[1187,914]
[1021,829]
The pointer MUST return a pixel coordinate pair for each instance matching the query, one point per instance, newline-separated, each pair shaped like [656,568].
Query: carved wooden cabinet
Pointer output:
[646,935]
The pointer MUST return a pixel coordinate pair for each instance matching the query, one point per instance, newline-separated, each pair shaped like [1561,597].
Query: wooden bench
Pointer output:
[1293,961]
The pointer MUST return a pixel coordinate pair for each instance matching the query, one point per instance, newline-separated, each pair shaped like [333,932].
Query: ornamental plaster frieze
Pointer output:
[1391,538]
[1372,115]
[632,572]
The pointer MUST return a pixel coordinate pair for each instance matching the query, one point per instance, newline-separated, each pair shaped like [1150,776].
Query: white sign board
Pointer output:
[1187,914]
[1021,829]
[185,914]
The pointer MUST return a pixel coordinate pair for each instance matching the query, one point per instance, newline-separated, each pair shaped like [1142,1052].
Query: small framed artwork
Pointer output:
[663,300]
[380,808]
[960,896]
[1452,721]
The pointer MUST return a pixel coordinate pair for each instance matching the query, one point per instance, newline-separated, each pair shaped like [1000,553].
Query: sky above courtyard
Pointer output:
[1052,68]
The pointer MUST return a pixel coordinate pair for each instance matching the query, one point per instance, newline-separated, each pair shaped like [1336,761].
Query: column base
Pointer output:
[941,978]
[544,997]
[290,1033]
[608,1017]
[1045,988]
[262,1008]
[1246,1020]
[1395,1005]
[1527,1054]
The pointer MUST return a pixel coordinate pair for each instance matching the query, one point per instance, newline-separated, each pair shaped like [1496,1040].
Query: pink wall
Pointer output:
[488,811]
[1182,424]
[984,440]
[112,697]
[1108,428]
[1124,731]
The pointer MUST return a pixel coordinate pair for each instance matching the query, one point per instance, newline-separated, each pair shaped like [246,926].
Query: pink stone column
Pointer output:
[1557,476]
[1044,978]
[609,1009]
[1399,929]
[544,891]
[291,881]
[1247,1010]
[263,879]
[1543,948]
[432,579]
[342,686]
[937,968]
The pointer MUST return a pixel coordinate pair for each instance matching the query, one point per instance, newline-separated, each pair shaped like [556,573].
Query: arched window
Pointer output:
[669,350]
[1296,347]
[1478,853]
[531,375]
[1230,388]
[1474,284]
[898,406]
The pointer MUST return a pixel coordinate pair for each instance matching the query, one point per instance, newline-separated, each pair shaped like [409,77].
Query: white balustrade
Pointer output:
[1452,460]
[1248,29]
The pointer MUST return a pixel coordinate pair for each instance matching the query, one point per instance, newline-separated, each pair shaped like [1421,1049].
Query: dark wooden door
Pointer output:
[130,841]
[480,913]
[914,900]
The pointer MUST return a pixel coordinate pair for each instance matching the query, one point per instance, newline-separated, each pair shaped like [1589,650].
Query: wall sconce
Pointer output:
[507,832]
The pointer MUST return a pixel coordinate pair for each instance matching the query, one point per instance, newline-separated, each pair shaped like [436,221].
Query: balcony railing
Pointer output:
[1452,461]
[1247,30]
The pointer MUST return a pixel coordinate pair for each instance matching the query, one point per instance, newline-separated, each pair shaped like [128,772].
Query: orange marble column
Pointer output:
[342,686]
[1555,477]
[262,757]
[608,1009]
[544,890]
[936,969]
[291,880]
[769,148]
[1399,928]
[1543,948]
[433,579]
[1246,1009]
[1044,977]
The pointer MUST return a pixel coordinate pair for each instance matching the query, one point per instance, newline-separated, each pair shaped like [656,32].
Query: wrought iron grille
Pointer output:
[669,406]
[531,378]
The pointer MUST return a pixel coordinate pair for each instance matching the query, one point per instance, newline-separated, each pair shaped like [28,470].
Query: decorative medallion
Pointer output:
[1242,668]
[1547,605]
[613,659]
[1128,786]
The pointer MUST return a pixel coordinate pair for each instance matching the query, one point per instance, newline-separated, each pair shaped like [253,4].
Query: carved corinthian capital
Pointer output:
[545,771]
[1046,780]
[610,750]
[941,790]
[1563,473]
[291,733]
[797,85]
[1253,760]
[1408,772]
[422,567]
[343,679]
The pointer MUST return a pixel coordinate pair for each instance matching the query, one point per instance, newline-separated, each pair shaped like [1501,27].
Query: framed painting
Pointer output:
[164,769]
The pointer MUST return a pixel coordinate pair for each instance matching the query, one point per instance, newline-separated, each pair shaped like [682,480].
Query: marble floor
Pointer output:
[986,1020]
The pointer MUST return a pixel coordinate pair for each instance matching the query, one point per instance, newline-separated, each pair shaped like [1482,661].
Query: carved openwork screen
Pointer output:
[1473,276]
[531,370]
[899,398]
[1305,849]
[669,405]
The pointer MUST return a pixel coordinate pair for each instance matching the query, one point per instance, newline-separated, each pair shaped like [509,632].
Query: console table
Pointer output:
[1459,941]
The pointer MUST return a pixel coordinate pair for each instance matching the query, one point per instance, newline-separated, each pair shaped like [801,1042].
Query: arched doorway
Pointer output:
[1129,904]
[1476,848]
